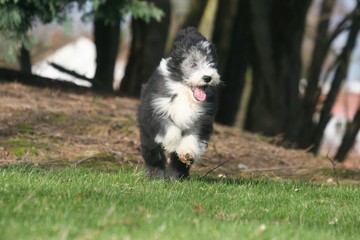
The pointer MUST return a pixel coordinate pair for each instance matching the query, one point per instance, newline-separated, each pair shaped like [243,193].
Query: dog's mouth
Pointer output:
[199,93]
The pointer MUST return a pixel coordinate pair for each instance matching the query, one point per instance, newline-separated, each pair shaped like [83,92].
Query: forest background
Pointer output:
[284,63]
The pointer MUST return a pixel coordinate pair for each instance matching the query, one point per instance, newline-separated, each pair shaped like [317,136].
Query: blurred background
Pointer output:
[291,69]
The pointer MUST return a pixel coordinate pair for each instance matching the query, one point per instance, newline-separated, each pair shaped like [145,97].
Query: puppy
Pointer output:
[178,105]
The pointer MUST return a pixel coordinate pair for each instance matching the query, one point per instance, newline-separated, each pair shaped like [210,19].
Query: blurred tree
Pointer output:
[18,17]
[106,38]
[193,18]
[232,39]
[147,49]
[351,132]
[311,132]
[189,16]
[24,59]
[107,16]
[277,30]
[313,89]
[339,76]
[266,37]
[224,24]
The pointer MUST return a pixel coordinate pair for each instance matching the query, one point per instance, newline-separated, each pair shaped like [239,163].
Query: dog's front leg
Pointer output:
[170,139]
[190,149]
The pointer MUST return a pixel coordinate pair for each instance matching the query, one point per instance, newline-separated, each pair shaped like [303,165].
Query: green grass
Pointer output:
[24,128]
[84,203]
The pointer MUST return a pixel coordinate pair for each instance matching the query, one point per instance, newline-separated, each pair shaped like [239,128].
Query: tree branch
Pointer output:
[349,138]
[213,169]
[340,27]
[74,73]
[11,75]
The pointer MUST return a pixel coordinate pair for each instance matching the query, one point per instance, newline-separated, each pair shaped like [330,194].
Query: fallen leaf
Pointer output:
[199,208]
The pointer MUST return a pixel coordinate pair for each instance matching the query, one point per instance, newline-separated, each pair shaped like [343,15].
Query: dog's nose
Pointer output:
[206,78]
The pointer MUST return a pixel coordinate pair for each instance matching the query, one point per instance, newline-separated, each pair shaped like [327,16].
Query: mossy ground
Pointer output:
[50,127]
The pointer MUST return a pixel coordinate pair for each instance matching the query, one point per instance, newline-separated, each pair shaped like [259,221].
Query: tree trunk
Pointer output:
[349,138]
[106,37]
[195,14]
[147,49]
[289,66]
[340,75]
[11,75]
[313,90]
[192,18]
[263,106]
[277,31]
[233,57]
[224,29]
[24,59]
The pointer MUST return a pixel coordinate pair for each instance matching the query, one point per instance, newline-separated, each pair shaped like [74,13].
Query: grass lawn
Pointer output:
[84,203]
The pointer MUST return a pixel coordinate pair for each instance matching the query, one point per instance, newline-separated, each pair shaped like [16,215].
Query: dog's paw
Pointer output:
[187,158]
[190,149]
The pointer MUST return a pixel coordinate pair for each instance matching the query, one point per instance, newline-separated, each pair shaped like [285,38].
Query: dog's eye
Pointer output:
[193,65]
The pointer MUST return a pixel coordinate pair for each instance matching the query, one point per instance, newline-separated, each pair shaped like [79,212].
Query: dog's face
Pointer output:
[198,69]
[193,61]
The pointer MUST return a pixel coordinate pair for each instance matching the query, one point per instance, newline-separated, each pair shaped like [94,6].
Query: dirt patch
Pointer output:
[45,126]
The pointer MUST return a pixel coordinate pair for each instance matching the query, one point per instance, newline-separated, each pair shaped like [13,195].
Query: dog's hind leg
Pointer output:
[178,169]
[155,161]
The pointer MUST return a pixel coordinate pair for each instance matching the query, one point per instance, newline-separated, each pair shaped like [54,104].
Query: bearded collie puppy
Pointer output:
[178,105]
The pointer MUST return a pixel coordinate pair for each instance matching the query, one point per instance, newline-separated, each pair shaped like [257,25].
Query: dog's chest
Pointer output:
[184,111]
[181,107]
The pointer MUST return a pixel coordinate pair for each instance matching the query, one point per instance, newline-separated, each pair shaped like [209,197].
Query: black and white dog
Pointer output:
[178,105]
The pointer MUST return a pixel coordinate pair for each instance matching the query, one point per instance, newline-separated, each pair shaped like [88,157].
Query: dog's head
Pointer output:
[193,61]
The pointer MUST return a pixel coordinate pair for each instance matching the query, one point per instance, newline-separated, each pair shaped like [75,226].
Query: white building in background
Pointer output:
[78,56]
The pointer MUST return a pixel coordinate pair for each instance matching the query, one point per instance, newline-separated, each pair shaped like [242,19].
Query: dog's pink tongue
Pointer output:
[199,94]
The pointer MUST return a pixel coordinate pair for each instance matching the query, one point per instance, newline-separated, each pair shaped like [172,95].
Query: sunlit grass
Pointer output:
[83,203]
